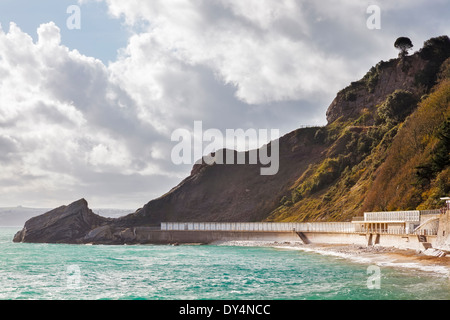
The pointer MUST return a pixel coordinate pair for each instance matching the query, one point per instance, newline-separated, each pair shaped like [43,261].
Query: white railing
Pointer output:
[306,126]
[426,232]
[331,227]
[406,216]
[434,211]
[338,227]
[394,231]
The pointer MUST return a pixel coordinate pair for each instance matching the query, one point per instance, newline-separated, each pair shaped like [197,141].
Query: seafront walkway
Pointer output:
[414,229]
[338,227]
[328,227]
[395,223]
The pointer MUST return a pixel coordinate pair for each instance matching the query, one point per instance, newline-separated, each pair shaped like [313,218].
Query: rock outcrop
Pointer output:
[66,224]
[373,89]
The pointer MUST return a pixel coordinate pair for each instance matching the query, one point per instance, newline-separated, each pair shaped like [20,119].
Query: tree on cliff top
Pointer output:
[403,44]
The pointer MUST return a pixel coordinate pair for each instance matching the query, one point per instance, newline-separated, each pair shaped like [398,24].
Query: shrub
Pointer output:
[328,172]
[435,51]
[296,196]
[350,96]
[364,145]
[320,135]
[441,154]
[372,77]
[439,160]
[445,70]
[397,107]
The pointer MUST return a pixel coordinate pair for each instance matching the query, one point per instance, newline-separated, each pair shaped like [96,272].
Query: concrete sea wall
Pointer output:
[150,236]
[386,240]
[443,238]
[206,237]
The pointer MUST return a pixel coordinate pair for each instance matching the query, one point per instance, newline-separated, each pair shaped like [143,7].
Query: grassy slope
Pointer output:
[372,164]
[397,185]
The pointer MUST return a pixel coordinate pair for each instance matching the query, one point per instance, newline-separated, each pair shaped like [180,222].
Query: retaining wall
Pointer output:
[148,236]
[386,240]
[443,239]
[206,237]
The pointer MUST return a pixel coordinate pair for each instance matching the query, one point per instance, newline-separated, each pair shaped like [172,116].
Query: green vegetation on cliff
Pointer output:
[387,145]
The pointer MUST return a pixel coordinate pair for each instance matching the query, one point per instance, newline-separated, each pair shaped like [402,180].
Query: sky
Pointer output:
[88,112]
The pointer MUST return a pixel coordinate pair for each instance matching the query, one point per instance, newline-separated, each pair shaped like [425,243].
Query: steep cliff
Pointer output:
[66,224]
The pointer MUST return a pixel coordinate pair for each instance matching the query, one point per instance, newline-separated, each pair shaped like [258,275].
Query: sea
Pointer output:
[148,272]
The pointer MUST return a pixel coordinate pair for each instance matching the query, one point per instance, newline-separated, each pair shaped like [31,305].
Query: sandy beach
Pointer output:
[376,255]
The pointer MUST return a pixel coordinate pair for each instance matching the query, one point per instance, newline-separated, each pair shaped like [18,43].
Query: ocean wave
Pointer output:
[381,260]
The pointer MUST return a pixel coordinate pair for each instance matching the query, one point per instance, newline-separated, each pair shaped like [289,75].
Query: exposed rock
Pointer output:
[99,234]
[397,74]
[127,235]
[66,224]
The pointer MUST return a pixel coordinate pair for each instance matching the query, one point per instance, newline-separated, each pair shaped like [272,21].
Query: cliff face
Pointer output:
[384,148]
[381,81]
[416,73]
[66,224]
[224,193]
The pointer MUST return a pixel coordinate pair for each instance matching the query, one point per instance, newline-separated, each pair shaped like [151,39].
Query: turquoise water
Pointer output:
[44,271]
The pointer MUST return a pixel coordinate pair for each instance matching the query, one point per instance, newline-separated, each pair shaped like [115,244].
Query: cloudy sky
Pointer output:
[89,112]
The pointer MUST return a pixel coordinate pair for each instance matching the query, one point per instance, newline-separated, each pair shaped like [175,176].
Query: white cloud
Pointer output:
[71,126]
[49,35]
[260,47]
[61,118]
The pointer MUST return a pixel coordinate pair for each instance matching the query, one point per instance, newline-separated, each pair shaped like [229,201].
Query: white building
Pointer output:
[398,222]
[447,201]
